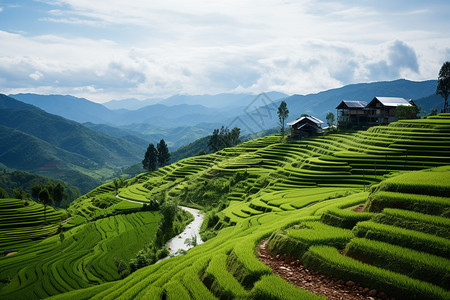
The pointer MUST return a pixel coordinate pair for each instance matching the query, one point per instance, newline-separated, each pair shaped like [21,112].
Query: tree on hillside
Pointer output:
[58,192]
[330,119]
[163,153]
[407,112]
[443,87]
[3,194]
[150,159]
[233,137]
[118,183]
[224,138]
[283,113]
[20,194]
[44,198]
[214,141]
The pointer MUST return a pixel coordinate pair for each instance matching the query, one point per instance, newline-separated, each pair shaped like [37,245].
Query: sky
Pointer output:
[116,49]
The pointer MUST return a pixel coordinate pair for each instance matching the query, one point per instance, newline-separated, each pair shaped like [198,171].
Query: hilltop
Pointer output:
[304,199]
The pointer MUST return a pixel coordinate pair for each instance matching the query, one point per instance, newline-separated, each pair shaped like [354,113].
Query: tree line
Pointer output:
[224,138]
[156,157]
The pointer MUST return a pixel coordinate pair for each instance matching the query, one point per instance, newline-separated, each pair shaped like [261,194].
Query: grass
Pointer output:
[261,189]
[329,261]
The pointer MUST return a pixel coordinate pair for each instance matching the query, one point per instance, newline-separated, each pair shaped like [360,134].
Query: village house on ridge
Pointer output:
[379,111]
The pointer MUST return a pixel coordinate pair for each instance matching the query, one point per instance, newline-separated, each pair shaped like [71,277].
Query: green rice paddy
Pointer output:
[301,195]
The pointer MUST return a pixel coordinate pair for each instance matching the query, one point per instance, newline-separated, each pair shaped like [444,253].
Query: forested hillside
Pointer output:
[50,145]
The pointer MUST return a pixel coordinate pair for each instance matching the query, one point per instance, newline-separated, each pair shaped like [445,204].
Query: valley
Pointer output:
[367,206]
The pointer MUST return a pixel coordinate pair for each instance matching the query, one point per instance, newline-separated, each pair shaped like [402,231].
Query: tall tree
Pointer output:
[3,193]
[223,138]
[163,153]
[150,159]
[44,198]
[214,141]
[283,113]
[443,87]
[330,119]
[234,136]
[58,192]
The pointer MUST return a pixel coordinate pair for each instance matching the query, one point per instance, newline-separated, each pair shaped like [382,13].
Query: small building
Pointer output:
[351,113]
[305,127]
[383,110]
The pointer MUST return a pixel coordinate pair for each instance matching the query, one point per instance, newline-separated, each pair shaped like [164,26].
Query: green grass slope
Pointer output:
[50,145]
[301,195]
[22,223]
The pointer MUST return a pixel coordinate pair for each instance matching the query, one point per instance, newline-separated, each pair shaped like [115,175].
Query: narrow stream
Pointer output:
[192,229]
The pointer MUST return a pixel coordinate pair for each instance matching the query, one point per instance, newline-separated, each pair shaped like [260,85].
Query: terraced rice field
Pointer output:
[84,258]
[22,223]
[302,196]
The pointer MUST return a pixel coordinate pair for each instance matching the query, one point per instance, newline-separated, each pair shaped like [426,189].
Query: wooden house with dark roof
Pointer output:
[305,127]
[351,113]
[379,111]
[383,110]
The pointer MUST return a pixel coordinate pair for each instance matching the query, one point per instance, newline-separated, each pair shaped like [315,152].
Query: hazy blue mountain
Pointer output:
[73,108]
[82,110]
[130,103]
[430,102]
[174,137]
[224,100]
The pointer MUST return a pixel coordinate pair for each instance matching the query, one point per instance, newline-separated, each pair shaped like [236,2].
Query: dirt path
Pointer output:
[134,201]
[332,288]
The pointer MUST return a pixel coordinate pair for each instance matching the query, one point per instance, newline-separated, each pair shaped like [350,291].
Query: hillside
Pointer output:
[10,180]
[305,197]
[51,145]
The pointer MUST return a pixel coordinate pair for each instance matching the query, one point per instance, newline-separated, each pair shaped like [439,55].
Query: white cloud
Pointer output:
[36,75]
[144,48]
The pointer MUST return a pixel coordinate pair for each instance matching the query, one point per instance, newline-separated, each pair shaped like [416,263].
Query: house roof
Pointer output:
[390,101]
[310,118]
[351,104]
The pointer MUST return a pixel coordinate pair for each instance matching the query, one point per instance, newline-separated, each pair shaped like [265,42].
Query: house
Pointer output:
[379,111]
[383,110]
[351,113]
[305,127]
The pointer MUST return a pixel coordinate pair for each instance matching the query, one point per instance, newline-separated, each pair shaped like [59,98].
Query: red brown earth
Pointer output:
[295,273]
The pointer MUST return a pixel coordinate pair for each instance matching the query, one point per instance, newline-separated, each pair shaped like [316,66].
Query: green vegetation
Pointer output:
[10,180]
[22,223]
[55,147]
[305,197]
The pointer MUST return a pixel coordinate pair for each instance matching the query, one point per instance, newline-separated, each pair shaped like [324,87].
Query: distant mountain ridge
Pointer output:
[37,141]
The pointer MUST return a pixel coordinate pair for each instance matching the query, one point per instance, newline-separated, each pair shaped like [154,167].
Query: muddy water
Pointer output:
[192,229]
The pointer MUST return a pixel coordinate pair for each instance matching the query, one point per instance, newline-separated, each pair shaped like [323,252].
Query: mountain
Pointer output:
[82,110]
[73,108]
[321,103]
[40,142]
[130,103]
[224,100]
[430,102]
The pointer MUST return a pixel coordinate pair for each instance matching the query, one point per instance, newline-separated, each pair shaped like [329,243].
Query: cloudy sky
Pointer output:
[114,49]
